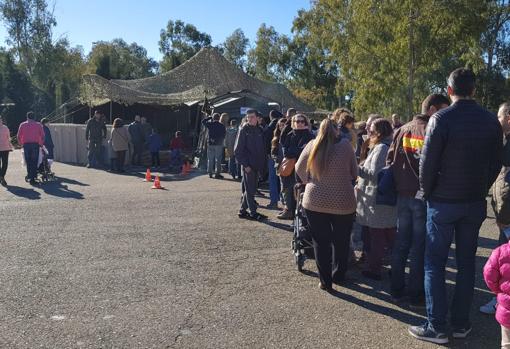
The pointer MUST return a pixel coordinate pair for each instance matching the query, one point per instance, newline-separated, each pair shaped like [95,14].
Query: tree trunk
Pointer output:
[412,48]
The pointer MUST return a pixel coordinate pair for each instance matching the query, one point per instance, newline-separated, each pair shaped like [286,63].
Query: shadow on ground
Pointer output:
[26,193]
[58,189]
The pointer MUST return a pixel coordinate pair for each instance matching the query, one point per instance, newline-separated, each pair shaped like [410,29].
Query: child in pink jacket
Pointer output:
[497,276]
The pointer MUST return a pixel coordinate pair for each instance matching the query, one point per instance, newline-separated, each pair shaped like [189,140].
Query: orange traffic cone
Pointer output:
[148,176]
[157,184]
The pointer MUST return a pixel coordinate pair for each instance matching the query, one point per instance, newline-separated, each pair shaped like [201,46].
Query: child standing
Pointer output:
[497,276]
[155,147]
[177,146]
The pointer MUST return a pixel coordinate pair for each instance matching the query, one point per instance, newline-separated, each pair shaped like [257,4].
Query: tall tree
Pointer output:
[270,58]
[29,24]
[235,48]
[495,47]
[391,54]
[54,68]
[179,42]
[314,70]
[120,60]
[16,88]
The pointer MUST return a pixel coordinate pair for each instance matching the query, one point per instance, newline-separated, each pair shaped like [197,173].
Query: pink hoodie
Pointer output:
[497,276]
[5,139]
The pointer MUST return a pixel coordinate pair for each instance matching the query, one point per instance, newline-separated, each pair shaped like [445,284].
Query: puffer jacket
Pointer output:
[249,149]
[461,157]
[497,277]
[368,213]
[295,142]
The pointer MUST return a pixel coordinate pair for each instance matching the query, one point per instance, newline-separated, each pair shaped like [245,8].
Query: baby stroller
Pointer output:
[44,168]
[302,247]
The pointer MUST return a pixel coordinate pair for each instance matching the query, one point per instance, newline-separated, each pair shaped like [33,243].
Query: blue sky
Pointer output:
[86,21]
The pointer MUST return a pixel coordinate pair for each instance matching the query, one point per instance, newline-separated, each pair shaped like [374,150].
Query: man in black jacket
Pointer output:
[274,192]
[250,153]
[137,139]
[215,144]
[95,133]
[460,161]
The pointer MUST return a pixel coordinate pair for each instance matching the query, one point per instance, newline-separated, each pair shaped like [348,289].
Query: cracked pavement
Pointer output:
[97,260]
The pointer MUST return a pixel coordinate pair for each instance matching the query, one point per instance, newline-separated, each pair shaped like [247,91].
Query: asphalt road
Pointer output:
[98,260]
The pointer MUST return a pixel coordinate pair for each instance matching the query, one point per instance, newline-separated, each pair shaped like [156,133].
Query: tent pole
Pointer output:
[111,112]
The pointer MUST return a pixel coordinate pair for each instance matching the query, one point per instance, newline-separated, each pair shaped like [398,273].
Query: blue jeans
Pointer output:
[214,158]
[274,195]
[444,222]
[233,167]
[409,242]
[94,152]
[31,151]
[248,188]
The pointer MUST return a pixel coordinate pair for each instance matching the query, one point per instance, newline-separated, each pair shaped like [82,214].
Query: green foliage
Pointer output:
[270,59]
[179,42]
[54,68]
[119,60]
[391,54]
[313,69]
[380,56]
[29,25]
[235,48]
[16,88]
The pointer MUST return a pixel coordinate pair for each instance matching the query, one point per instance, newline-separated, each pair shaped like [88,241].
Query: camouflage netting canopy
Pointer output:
[207,74]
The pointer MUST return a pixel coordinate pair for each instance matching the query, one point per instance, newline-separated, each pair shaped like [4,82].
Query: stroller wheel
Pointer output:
[300,262]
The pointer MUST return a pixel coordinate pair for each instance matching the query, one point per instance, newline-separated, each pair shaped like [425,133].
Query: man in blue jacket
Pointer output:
[215,146]
[460,161]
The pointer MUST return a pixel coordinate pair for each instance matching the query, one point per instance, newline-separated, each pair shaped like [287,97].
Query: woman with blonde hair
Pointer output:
[328,167]
[345,121]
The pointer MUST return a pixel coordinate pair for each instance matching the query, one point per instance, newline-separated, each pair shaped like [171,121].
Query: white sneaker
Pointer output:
[489,308]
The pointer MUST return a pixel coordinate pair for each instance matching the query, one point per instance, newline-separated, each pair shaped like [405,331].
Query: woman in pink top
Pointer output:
[497,276]
[5,148]
[328,167]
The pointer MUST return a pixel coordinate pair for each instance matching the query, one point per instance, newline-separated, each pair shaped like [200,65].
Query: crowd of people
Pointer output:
[37,145]
[412,188]
[137,137]
[36,141]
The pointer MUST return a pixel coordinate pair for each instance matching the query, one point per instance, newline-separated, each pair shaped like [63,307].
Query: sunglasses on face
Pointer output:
[300,121]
